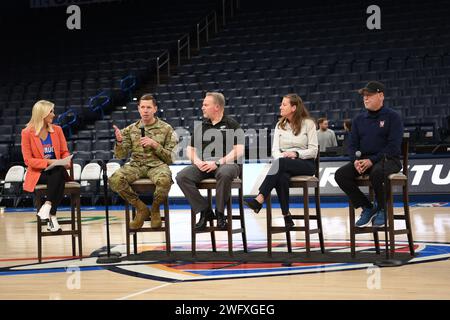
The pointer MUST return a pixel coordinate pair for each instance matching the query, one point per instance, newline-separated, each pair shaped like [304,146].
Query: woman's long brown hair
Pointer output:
[299,115]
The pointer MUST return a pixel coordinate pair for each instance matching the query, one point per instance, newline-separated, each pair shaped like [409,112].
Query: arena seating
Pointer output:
[260,57]
[84,72]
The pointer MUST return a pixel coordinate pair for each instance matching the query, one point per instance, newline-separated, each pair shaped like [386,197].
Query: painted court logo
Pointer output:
[214,270]
[173,270]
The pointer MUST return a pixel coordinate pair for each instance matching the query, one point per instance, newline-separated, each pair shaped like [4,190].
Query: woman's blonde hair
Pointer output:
[299,115]
[41,109]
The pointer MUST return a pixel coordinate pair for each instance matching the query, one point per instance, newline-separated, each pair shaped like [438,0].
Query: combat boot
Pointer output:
[142,213]
[156,219]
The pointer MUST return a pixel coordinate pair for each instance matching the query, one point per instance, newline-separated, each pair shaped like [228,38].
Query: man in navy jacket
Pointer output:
[376,134]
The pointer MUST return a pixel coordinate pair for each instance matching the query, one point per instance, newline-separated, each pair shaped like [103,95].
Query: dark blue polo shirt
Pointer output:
[375,134]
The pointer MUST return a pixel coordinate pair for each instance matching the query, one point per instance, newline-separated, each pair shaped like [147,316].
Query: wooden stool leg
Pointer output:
[241,212]
[408,219]
[269,225]
[39,225]
[134,233]
[376,239]
[288,241]
[193,234]
[135,242]
[230,226]
[390,216]
[307,227]
[213,236]
[39,228]
[352,230]
[319,218]
[134,237]
[80,237]
[127,226]
[72,224]
[167,226]
[211,223]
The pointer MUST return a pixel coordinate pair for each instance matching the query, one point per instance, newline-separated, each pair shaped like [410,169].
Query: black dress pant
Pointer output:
[345,178]
[278,177]
[55,180]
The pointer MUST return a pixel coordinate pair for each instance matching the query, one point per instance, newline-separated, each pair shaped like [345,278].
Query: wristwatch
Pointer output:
[217,163]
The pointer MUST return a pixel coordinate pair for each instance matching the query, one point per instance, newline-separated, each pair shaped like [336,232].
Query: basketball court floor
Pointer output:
[61,276]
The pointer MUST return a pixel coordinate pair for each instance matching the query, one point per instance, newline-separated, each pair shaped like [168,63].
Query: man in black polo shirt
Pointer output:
[376,133]
[215,146]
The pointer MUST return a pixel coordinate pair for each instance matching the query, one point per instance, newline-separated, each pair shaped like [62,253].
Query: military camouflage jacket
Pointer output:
[159,131]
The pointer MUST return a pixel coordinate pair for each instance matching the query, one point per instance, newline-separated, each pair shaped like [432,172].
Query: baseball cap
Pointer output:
[372,87]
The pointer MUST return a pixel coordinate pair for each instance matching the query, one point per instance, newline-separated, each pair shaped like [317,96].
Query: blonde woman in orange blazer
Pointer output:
[42,144]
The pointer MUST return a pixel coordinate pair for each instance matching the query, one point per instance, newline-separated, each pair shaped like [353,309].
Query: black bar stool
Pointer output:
[396,179]
[146,186]
[303,182]
[209,185]
[71,189]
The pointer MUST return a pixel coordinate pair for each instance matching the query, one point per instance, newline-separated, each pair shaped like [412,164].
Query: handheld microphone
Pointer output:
[142,131]
[358,155]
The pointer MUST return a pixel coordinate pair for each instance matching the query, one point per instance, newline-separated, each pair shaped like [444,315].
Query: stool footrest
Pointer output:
[283,229]
[62,233]
[234,217]
[211,229]
[402,231]
[60,222]
[274,230]
[382,229]
[147,229]
[299,217]
[369,230]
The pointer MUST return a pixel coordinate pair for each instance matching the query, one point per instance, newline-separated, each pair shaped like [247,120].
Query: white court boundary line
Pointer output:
[144,291]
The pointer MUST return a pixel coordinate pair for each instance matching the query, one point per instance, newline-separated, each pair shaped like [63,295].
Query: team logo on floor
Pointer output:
[214,270]
[173,271]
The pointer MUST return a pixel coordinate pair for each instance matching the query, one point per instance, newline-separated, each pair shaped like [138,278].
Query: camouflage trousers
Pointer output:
[161,176]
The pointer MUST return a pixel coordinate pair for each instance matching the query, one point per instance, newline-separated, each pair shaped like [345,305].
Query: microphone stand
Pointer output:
[387,262]
[108,256]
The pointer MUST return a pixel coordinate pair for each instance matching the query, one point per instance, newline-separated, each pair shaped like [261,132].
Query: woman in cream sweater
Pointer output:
[294,149]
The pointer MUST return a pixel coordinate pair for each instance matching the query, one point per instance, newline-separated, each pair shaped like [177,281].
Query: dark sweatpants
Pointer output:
[345,178]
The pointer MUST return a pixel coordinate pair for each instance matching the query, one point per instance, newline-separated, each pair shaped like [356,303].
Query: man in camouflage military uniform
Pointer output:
[150,158]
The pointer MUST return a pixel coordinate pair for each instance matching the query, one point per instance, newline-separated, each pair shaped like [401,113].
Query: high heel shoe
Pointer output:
[288,222]
[253,204]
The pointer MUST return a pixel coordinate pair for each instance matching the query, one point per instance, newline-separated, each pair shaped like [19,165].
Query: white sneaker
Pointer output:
[44,211]
[53,225]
